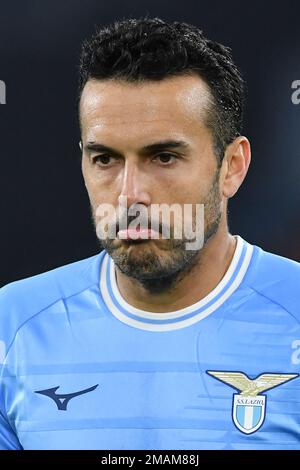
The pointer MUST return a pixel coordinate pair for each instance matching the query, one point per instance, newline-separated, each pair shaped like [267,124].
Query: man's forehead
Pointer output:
[187,96]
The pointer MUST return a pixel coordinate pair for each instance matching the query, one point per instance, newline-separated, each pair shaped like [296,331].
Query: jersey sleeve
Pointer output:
[8,438]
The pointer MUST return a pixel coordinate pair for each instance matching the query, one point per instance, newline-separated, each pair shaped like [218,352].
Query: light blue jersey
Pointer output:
[82,369]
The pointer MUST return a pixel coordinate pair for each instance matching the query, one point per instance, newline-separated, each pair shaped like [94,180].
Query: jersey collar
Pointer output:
[184,317]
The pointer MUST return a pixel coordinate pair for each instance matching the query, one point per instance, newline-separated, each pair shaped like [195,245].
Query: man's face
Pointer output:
[127,119]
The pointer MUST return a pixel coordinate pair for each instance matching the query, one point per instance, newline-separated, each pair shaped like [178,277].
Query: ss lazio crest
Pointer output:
[249,407]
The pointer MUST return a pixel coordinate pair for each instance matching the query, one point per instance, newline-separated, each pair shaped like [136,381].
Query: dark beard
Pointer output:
[157,277]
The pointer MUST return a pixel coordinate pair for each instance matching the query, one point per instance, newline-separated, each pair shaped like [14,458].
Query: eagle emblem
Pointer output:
[249,407]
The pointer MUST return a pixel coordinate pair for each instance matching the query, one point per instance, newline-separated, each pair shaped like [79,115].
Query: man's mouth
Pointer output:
[137,234]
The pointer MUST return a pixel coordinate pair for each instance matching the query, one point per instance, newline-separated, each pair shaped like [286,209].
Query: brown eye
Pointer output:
[166,158]
[102,159]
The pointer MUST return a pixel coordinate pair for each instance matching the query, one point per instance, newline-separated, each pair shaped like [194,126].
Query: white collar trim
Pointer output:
[187,316]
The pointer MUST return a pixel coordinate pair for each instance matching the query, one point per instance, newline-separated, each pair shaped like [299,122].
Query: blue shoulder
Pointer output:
[20,300]
[277,278]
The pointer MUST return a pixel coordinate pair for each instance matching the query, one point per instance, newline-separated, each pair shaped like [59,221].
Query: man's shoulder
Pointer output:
[22,299]
[277,278]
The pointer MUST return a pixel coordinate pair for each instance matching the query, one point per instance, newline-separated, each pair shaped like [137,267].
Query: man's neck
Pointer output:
[214,260]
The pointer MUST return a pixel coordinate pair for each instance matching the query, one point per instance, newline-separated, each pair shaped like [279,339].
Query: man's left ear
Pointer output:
[235,165]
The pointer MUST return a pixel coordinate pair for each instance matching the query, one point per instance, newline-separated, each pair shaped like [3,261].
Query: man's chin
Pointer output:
[150,261]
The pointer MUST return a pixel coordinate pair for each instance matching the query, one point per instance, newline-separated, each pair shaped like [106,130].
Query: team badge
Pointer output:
[249,407]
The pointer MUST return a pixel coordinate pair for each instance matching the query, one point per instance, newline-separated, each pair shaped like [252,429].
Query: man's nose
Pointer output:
[134,185]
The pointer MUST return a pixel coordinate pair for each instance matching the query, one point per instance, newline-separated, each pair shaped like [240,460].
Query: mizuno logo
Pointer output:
[62,399]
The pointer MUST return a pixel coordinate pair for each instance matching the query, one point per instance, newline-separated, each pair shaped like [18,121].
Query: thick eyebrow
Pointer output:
[145,150]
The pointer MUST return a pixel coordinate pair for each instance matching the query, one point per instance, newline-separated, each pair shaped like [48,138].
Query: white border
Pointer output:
[179,313]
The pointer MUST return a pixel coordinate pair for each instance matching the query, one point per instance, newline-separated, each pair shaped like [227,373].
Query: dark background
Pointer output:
[45,215]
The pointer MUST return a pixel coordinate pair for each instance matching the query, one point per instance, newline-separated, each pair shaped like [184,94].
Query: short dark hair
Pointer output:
[149,49]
